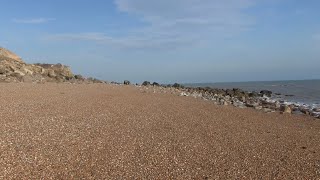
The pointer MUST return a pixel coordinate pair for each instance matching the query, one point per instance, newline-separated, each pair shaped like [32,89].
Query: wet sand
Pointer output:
[99,131]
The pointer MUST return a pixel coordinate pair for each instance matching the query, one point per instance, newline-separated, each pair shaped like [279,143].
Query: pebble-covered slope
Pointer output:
[99,131]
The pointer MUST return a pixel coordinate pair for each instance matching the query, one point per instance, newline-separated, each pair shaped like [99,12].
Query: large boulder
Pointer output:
[51,73]
[155,84]
[266,93]
[253,94]
[126,82]
[58,69]
[146,83]
[286,109]
[2,69]
[252,103]
[79,77]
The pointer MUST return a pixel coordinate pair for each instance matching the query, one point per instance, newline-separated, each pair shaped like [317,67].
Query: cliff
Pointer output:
[14,69]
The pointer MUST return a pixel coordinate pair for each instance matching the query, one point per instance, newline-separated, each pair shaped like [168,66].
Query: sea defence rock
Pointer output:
[14,69]
[146,83]
[266,93]
[126,82]
[155,84]
[286,109]
[237,98]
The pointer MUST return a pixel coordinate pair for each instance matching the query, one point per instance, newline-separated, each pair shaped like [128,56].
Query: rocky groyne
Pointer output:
[261,101]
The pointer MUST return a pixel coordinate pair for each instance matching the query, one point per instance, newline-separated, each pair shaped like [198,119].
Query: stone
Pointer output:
[59,69]
[239,104]
[230,92]
[304,110]
[15,74]
[146,83]
[183,94]
[79,77]
[316,109]
[297,112]
[267,110]
[19,72]
[28,71]
[51,73]
[315,114]
[155,84]
[2,70]
[292,106]
[286,109]
[253,94]
[12,68]
[258,107]
[59,79]
[252,104]
[221,101]
[277,105]
[266,93]
[126,82]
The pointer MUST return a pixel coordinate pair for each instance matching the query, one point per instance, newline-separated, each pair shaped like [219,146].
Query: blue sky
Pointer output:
[168,40]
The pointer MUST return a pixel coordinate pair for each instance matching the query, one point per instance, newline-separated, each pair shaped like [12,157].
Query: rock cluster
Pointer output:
[14,69]
[238,98]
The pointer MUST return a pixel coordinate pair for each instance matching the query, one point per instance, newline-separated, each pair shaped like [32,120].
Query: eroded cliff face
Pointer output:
[14,69]
[6,53]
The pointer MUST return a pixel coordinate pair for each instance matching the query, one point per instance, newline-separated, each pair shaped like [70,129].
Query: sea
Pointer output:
[302,92]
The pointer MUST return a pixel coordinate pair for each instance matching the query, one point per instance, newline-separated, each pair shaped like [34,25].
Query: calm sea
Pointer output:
[302,91]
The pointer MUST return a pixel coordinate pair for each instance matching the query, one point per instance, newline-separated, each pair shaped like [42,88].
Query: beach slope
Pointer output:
[101,131]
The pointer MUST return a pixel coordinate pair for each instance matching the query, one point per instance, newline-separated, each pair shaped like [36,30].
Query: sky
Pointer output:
[168,41]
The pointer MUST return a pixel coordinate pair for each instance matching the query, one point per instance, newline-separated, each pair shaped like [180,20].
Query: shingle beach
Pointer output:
[103,131]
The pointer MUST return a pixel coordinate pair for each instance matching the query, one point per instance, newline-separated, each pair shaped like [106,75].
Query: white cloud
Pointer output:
[79,37]
[120,42]
[214,12]
[189,20]
[176,23]
[33,20]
